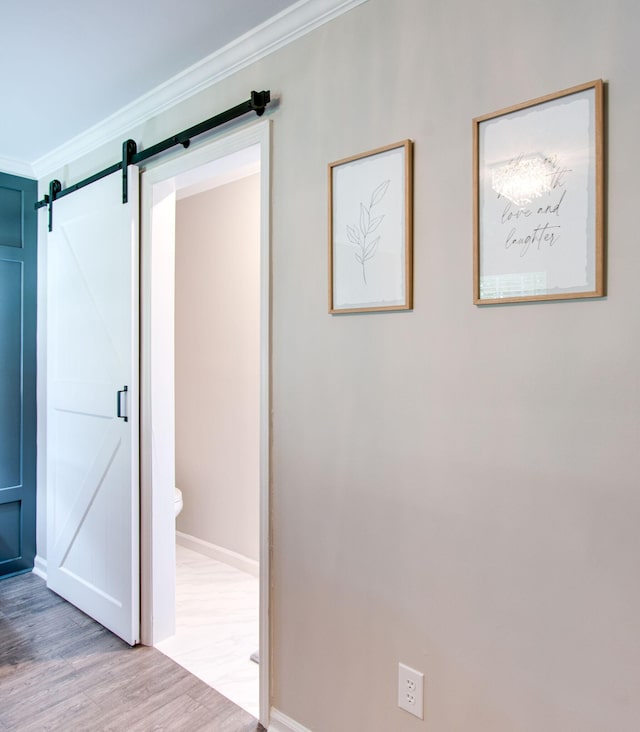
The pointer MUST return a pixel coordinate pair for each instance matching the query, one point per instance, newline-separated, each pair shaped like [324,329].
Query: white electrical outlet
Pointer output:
[410,690]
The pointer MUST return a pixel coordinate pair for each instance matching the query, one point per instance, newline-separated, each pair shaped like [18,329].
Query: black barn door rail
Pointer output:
[131,156]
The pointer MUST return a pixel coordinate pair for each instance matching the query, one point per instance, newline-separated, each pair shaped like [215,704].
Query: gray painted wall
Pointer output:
[455,487]
[218,365]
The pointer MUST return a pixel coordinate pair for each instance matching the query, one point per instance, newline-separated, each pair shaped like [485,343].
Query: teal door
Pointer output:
[17,374]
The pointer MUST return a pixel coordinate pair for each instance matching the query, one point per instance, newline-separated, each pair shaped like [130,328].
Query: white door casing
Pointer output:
[93,353]
[159,185]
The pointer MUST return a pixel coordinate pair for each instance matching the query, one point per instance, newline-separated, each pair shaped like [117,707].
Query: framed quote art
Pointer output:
[538,199]
[370,231]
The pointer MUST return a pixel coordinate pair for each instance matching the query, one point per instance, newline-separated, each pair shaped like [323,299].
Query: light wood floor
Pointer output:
[59,670]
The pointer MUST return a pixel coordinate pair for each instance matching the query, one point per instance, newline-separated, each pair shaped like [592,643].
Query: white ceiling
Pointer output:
[67,65]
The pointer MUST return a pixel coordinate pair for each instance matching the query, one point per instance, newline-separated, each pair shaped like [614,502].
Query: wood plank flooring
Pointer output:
[60,670]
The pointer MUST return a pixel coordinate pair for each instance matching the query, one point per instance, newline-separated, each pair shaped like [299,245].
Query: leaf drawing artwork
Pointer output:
[360,235]
[370,247]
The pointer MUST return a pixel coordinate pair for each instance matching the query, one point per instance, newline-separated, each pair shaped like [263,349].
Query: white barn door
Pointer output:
[92,403]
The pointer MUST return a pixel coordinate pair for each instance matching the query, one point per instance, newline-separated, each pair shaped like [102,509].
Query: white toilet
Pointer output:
[177,501]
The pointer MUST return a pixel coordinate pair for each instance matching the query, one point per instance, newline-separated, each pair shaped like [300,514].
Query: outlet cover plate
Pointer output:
[411,690]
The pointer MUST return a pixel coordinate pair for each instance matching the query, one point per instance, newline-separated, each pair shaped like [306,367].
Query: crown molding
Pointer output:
[284,28]
[16,167]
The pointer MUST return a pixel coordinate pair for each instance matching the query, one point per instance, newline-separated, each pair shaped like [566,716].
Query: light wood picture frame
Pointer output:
[538,195]
[371,231]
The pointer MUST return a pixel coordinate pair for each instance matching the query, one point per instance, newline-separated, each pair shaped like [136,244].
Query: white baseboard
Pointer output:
[40,567]
[239,561]
[281,723]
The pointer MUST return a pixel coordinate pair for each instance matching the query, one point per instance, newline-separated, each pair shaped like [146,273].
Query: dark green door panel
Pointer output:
[18,251]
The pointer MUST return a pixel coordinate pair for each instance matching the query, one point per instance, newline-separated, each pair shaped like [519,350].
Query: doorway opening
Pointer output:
[211,441]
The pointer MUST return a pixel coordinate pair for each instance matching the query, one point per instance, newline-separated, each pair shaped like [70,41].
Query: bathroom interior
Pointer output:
[217,427]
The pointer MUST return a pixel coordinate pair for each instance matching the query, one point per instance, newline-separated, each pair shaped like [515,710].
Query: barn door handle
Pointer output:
[119,404]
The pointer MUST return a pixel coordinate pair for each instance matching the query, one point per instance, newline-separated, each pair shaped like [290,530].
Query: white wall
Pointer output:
[218,366]
[455,487]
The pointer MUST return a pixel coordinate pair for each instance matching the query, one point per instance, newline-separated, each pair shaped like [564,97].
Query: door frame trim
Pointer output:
[157,468]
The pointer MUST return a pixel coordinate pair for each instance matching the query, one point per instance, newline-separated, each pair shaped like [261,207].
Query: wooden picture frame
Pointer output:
[539,200]
[371,231]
